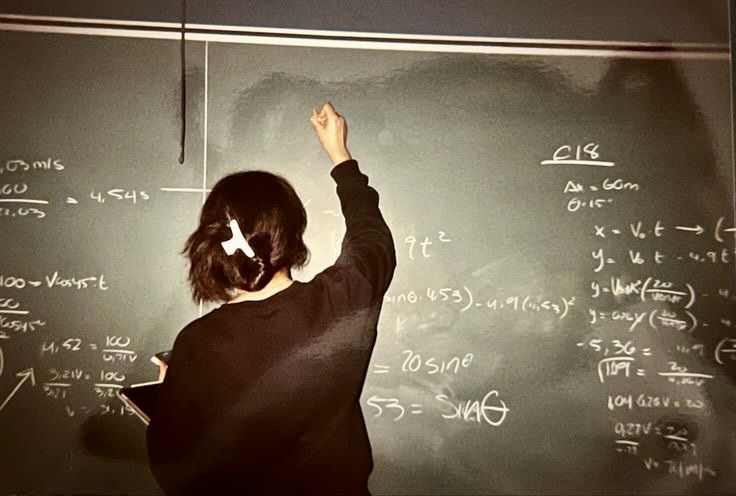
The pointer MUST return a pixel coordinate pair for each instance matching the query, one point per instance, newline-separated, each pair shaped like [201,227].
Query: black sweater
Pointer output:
[263,396]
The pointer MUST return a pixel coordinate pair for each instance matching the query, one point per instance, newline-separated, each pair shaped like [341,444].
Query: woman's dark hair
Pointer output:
[272,220]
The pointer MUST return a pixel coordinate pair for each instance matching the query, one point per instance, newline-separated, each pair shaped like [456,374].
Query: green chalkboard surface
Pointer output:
[562,317]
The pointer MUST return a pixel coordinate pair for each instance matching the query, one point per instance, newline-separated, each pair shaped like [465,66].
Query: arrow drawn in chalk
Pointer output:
[24,375]
[698,229]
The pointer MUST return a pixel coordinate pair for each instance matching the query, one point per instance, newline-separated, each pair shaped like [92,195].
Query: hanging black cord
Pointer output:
[182,49]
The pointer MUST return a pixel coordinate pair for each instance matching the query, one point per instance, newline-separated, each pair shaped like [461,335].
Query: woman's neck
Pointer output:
[280,281]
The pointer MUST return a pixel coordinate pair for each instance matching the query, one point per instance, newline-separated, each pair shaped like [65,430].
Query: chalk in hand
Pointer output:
[237,242]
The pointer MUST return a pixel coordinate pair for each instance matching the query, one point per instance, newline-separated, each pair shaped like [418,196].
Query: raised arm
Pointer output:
[367,246]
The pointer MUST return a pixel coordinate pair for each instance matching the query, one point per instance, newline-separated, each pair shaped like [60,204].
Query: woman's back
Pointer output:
[263,396]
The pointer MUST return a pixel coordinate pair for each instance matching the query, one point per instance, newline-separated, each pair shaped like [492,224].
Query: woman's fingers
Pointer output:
[331,129]
[321,117]
[314,119]
[328,109]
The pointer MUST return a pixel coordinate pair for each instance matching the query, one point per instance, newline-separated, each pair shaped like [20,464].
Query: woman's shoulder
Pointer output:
[197,329]
[343,287]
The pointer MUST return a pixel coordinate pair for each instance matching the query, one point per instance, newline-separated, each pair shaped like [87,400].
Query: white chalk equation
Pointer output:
[645,401]
[113,350]
[18,325]
[720,230]
[627,367]
[466,300]
[650,285]
[54,280]
[14,319]
[117,194]
[17,200]
[656,319]
[17,165]
[488,410]
[73,385]
[682,469]
[678,438]
[592,199]
[598,194]
[417,363]
[614,347]
[420,249]
[647,289]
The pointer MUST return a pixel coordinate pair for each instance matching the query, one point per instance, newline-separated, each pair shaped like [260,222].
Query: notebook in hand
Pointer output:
[141,398]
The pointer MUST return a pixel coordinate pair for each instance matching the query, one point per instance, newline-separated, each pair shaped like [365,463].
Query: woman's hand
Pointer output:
[332,131]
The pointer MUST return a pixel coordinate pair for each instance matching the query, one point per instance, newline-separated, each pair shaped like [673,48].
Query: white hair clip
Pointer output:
[237,242]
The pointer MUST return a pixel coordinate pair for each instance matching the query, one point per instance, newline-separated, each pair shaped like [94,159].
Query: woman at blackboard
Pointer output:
[262,394]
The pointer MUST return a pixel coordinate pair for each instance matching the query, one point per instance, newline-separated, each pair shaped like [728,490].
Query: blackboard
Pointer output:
[562,318]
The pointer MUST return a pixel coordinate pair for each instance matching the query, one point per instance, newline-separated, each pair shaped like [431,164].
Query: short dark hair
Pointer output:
[272,219]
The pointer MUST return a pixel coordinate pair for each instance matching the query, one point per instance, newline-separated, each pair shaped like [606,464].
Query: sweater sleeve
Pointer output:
[173,436]
[364,269]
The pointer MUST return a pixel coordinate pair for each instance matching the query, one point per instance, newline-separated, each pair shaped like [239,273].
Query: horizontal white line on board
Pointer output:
[578,162]
[475,39]
[112,22]
[23,200]
[186,190]
[685,374]
[678,51]
[360,34]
